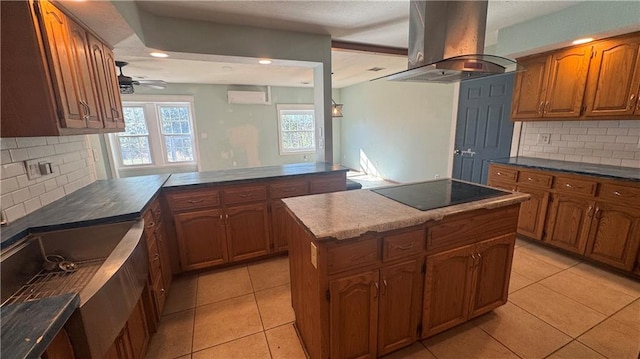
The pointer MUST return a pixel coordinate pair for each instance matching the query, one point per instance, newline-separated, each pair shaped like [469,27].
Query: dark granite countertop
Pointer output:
[28,328]
[616,172]
[249,174]
[103,201]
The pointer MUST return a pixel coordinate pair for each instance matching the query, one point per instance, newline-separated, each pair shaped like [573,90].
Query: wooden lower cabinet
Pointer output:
[465,282]
[133,340]
[60,347]
[569,221]
[354,315]
[614,235]
[278,232]
[533,212]
[376,312]
[400,305]
[247,231]
[201,238]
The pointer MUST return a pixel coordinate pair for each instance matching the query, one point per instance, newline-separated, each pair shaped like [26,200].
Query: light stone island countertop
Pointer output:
[349,214]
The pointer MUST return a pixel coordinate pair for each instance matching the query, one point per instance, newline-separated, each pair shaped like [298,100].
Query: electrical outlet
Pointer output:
[544,138]
[33,169]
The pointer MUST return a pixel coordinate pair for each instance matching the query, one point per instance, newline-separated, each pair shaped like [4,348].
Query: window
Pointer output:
[296,129]
[157,134]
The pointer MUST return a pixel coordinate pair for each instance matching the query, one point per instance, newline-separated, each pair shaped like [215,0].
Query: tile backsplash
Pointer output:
[72,168]
[614,143]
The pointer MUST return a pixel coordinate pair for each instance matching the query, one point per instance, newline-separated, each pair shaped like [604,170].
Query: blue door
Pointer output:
[483,128]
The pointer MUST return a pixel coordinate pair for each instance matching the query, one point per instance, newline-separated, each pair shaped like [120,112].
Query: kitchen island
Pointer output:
[374,272]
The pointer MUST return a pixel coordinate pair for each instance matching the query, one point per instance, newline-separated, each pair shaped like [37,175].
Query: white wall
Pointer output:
[614,143]
[72,165]
[399,131]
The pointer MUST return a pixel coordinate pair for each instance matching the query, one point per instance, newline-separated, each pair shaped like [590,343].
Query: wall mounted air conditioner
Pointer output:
[250,97]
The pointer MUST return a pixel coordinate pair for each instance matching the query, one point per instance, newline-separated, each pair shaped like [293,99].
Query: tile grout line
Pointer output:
[195,309]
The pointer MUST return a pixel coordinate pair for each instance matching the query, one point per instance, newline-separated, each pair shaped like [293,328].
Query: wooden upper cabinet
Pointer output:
[105,73]
[567,78]
[614,78]
[530,86]
[51,71]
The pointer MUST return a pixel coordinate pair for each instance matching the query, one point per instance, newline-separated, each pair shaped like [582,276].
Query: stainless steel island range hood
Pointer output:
[446,43]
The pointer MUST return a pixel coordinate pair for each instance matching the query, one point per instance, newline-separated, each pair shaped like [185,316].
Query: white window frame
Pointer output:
[295,107]
[157,144]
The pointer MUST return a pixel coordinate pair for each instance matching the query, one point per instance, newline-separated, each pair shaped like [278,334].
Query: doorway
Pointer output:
[483,127]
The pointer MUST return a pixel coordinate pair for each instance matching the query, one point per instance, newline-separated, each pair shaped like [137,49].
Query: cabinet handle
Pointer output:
[541,107]
[384,282]
[194,201]
[568,185]
[156,256]
[530,179]
[151,224]
[499,173]
[115,112]
[248,195]
[404,248]
[598,214]
[162,290]
[288,189]
[631,98]
[546,107]
[479,257]
[375,294]
[589,211]
[617,193]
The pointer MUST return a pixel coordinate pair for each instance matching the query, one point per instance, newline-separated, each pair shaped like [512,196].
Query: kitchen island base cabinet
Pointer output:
[368,296]
[466,282]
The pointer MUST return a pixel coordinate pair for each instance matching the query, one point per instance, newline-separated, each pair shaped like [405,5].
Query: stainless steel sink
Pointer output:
[110,273]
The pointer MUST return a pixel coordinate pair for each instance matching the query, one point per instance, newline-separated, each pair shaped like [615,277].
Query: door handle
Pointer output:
[456,152]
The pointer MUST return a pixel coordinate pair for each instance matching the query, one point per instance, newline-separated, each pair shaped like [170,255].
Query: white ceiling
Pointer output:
[371,22]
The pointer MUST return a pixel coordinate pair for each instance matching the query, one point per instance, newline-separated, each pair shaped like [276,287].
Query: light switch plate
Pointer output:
[314,256]
[33,169]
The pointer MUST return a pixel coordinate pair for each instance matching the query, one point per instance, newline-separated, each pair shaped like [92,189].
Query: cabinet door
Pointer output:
[569,220]
[104,72]
[60,347]
[138,331]
[55,26]
[614,78]
[247,231]
[533,212]
[278,221]
[567,79]
[493,270]
[201,238]
[400,305]
[84,75]
[529,88]
[354,316]
[447,288]
[615,235]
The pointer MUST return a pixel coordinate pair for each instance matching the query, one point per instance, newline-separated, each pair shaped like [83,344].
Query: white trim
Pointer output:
[515,140]
[296,107]
[454,122]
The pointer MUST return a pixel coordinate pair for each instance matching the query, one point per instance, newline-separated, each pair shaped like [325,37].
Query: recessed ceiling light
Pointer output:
[582,41]
[159,54]
[264,61]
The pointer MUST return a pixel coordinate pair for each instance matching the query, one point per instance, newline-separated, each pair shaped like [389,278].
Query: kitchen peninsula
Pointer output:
[374,272]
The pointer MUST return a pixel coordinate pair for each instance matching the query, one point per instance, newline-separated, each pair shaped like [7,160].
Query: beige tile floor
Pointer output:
[558,308]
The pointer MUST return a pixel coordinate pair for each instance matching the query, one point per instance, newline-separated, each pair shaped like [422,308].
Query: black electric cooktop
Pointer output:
[436,194]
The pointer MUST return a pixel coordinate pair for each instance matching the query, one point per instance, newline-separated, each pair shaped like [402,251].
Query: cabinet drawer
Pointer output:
[535,179]
[620,193]
[502,174]
[507,186]
[576,186]
[355,254]
[244,194]
[327,184]
[403,244]
[464,229]
[288,189]
[193,199]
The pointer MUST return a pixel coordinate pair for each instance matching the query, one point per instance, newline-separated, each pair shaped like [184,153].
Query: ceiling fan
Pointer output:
[126,82]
